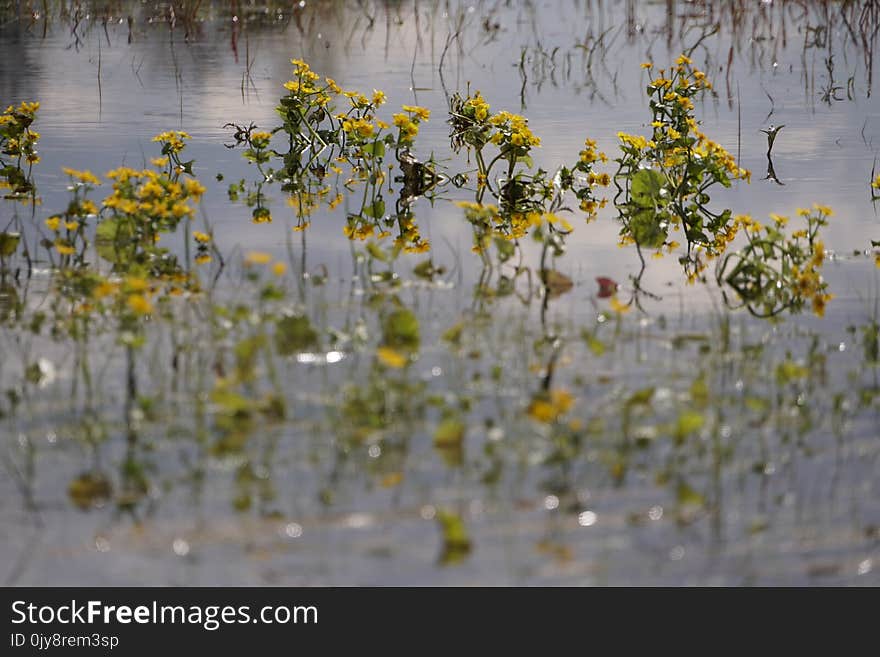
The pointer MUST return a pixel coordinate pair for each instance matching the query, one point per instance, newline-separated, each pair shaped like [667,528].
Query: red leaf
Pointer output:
[607,286]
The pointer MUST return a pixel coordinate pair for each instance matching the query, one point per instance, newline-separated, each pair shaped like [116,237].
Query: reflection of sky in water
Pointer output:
[155,84]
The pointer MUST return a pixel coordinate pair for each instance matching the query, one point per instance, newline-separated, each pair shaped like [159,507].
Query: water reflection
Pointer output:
[323,410]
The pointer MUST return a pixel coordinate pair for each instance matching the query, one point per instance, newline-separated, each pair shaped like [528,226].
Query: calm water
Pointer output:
[778,484]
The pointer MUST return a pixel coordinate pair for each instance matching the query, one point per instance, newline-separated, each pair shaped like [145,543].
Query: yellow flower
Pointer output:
[823,209]
[331,83]
[423,113]
[85,177]
[778,219]
[378,97]
[203,259]
[52,223]
[64,249]
[279,268]
[647,65]
[391,357]
[193,187]
[202,238]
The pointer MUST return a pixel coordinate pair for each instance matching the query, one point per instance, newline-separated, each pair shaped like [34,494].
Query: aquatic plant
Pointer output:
[18,149]
[776,271]
[665,181]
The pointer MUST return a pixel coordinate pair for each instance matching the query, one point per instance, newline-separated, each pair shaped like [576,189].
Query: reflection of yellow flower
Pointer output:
[617,305]
[391,358]
[547,407]
[139,304]
[257,258]
[105,289]
[64,249]
[819,302]
[279,268]
[818,254]
[203,259]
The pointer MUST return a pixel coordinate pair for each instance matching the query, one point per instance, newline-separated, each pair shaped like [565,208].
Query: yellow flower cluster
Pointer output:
[173,141]
[359,128]
[477,108]
[147,194]
[260,139]
[409,239]
[589,155]
[358,231]
[514,130]
[17,139]
[408,122]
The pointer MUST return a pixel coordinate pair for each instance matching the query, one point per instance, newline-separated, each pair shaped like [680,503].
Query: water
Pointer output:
[774,483]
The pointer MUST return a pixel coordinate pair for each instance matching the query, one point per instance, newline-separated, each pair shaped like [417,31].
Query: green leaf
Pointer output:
[645,186]
[688,496]
[700,391]
[376,251]
[453,334]
[425,269]
[641,397]
[376,149]
[688,422]
[400,329]
[295,334]
[648,229]
[788,371]
[89,490]
[506,249]
[449,433]
[112,236]
[8,243]
[456,543]
[376,210]
[595,344]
